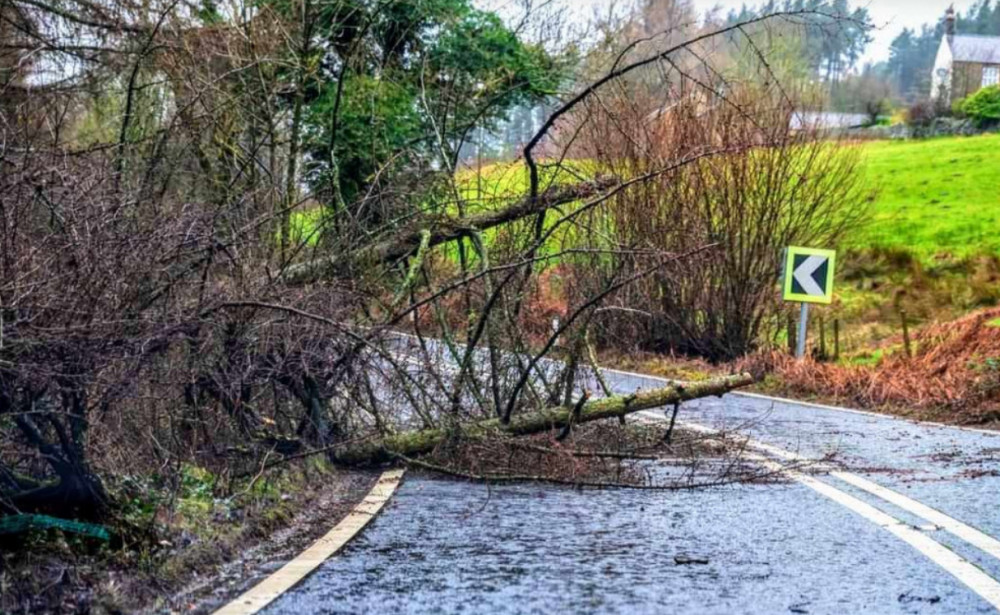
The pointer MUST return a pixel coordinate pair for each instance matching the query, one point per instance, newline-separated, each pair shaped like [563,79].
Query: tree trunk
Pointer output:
[421,442]
[443,229]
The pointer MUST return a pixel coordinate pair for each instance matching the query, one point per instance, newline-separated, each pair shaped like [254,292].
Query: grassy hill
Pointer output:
[938,197]
[931,244]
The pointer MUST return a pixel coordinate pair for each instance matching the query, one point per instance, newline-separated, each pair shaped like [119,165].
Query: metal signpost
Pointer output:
[808,279]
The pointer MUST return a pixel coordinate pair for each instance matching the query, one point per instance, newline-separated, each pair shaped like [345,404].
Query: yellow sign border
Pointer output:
[790,255]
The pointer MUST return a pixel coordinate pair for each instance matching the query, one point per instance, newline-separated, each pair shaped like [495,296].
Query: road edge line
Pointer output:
[292,573]
[809,404]
[981,583]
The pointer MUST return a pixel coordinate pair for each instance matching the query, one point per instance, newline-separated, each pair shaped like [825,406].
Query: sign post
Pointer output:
[800,349]
[808,279]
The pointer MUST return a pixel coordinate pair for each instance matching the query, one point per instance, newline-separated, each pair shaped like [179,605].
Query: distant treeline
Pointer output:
[830,48]
[833,54]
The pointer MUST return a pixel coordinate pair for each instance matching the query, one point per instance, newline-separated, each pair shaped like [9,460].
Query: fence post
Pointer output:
[822,338]
[906,334]
[836,339]
[800,346]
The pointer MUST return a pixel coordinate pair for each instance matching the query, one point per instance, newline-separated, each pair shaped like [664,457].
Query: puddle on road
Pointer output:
[453,547]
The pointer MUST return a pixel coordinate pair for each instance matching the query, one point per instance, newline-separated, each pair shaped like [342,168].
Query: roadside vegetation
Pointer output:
[925,254]
[216,224]
[249,253]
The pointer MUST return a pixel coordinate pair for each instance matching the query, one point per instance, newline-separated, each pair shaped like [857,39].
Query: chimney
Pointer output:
[949,21]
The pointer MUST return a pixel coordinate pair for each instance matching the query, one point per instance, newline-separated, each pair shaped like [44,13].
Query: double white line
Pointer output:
[975,579]
[969,574]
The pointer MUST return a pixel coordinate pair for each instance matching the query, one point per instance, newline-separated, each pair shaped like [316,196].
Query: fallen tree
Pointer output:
[417,443]
[443,229]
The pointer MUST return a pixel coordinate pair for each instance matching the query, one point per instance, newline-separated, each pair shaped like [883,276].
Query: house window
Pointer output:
[991,75]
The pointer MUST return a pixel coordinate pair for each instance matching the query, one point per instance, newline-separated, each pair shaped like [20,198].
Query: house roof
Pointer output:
[826,120]
[980,49]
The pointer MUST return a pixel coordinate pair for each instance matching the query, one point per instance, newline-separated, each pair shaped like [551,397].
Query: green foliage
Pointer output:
[138,499]
[196,495]
[401,85]
[377,117]
[983,106]
[208,12]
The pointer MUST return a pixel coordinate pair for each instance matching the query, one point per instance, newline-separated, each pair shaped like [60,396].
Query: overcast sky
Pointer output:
[890,16]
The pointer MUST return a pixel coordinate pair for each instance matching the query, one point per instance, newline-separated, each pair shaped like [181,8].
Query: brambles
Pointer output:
[951,376]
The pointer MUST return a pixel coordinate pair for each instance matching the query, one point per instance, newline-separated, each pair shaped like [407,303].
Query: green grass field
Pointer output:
[938,202]
[937,197]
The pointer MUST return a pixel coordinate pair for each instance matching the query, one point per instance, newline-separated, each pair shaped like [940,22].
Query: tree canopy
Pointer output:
[414,77]
[830,43]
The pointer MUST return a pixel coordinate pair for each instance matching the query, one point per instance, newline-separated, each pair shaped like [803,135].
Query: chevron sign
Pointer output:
[809,275]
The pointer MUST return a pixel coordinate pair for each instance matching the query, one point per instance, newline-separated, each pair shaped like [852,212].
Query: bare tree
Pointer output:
[155,306]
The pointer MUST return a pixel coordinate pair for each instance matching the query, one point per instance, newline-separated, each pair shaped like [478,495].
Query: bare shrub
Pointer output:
[765,187]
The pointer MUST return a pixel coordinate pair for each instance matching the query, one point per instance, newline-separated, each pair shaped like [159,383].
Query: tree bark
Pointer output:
[421,442]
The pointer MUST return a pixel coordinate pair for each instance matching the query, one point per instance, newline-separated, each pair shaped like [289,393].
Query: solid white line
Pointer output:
[972,577]
[783,400]
[265,592]
[982,541]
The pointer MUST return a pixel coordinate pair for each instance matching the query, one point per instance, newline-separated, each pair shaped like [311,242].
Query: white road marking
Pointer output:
[972,577]
[969,534]
[265,592]
[975,579]
[982,541]
[794,402]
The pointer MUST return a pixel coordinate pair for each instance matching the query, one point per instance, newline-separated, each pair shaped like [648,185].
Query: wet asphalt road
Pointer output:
[450,547]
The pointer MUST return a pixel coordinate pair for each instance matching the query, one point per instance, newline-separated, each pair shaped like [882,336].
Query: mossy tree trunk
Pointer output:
[421,442]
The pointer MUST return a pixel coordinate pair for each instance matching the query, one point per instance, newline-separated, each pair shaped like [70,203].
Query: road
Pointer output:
[905,524]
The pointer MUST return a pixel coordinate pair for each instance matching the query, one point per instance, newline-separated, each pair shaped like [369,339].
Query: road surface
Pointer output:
[906,525]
